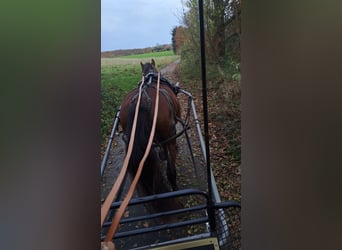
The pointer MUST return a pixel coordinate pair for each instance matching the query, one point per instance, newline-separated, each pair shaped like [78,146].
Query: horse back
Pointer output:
[168,110]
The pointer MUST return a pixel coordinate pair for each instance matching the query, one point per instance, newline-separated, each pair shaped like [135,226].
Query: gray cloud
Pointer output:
[137,23]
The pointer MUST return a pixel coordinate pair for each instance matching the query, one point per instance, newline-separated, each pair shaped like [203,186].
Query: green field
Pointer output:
[120,75]
[151,55]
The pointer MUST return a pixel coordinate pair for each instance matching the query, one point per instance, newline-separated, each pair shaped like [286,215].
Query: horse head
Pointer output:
[148,68]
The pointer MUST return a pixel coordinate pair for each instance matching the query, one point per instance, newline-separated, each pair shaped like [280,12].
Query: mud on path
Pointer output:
[188,176]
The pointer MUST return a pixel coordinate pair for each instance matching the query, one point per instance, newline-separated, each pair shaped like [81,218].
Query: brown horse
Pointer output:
[151,180]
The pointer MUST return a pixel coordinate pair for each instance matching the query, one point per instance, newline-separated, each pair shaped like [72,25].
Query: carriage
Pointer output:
[204,220]
[152,205]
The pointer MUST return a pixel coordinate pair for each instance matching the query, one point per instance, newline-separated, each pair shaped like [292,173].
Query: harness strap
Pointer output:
[124,204]
[112,194]
[143,92]
[153,76]
[168,99]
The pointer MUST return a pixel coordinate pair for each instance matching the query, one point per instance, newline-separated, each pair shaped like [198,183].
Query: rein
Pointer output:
[105,208]
[112,194]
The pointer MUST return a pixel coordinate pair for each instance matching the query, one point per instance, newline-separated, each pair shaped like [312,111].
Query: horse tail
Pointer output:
[143,129]
[151,180]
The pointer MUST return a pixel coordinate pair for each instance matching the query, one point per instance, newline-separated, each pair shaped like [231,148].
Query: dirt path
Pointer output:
[169,70]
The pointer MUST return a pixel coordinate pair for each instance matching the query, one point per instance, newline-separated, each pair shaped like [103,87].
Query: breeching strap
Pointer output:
[123,206]
[112,194]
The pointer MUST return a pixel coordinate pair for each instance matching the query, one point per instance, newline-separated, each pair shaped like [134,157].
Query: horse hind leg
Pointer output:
[171,166]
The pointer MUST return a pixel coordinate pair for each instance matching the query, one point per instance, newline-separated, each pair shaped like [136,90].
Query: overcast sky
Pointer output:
[129,24]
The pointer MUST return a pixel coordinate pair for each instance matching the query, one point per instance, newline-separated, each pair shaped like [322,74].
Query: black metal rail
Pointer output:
[110,141]
[151,198]
[159,228]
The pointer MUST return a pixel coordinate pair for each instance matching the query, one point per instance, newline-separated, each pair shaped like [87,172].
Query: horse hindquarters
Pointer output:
[151,176]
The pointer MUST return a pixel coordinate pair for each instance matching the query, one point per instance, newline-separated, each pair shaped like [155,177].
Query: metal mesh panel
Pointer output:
[229,230]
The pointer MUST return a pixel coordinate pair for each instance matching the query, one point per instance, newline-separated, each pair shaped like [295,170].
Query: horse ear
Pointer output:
[153,62]
[142,65]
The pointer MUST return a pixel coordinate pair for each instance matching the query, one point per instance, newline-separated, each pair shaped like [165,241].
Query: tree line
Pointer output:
[222,24]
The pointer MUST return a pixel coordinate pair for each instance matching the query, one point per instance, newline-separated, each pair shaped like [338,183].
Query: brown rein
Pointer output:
[111,196]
